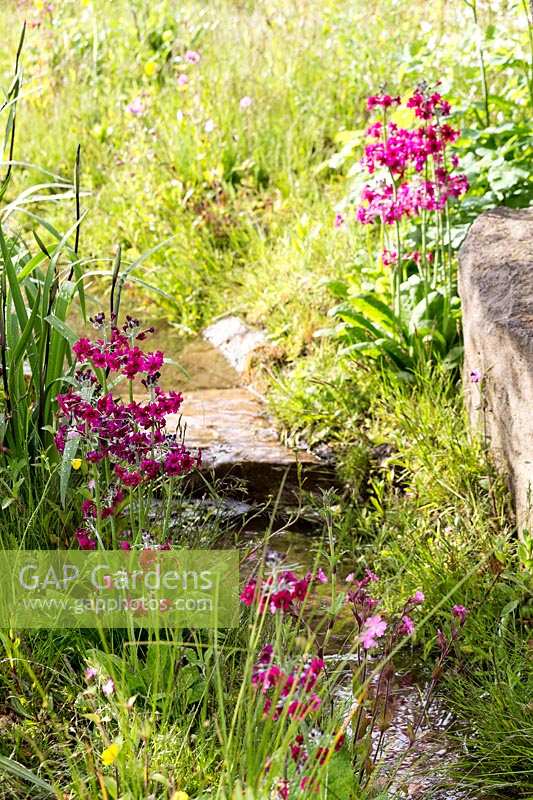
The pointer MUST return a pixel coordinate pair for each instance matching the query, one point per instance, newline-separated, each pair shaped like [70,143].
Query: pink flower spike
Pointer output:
[124,545]
[418,598]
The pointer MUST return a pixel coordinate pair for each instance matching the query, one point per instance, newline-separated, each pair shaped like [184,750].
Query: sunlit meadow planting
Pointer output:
[313,168]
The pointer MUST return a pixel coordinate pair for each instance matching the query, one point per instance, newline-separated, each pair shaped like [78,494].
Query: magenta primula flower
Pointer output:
[248,594]
[428,106]
[383,101]
[287,693]
[396,157]
[130,437]
[85,541]
[373,628]
[283,592]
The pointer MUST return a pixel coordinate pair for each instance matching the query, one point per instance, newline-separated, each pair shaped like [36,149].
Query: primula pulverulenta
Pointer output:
[412,176]
[287,693]
[283,592]
[412,169]
[124,444]
[290,694]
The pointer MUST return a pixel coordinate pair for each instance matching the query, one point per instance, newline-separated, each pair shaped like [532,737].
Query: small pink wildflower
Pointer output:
[407,627]
[245,102]
[461,613]
[475,376]
[418,598]
[183,79]
[373,629]
[192,56]
[136,107]
[90,673]
[108,687]
[339,220]
[321,576]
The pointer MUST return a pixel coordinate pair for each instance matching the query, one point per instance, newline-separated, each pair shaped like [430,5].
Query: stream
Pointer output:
[204,374]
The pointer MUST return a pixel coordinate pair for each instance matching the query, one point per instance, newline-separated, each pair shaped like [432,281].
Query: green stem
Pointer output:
[482,66]
[530,36]
[98,502]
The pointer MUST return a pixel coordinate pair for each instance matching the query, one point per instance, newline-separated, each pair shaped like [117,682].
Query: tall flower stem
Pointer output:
[529,23]
[472,4]
[98,503]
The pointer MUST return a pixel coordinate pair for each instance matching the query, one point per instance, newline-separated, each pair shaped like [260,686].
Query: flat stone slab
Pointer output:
[237,437]
[234,340]
[496,288]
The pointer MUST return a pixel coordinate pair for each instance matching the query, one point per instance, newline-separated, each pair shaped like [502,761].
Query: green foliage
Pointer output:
[35,298]
[496,700]
[36,292]
[427,328]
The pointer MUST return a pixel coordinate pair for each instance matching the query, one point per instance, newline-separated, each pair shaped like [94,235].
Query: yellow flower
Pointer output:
[39,5]
[109,755]
[180,796]
[75,463]
[150,68]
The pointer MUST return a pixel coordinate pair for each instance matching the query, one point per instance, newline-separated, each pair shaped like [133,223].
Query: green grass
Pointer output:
[496,701]
[249,203]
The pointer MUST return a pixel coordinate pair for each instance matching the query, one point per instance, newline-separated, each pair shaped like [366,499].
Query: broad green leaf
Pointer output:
[377,311]
[23,773]
[62,328]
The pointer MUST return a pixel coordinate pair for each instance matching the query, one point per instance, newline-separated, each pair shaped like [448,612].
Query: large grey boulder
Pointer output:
[496,288]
